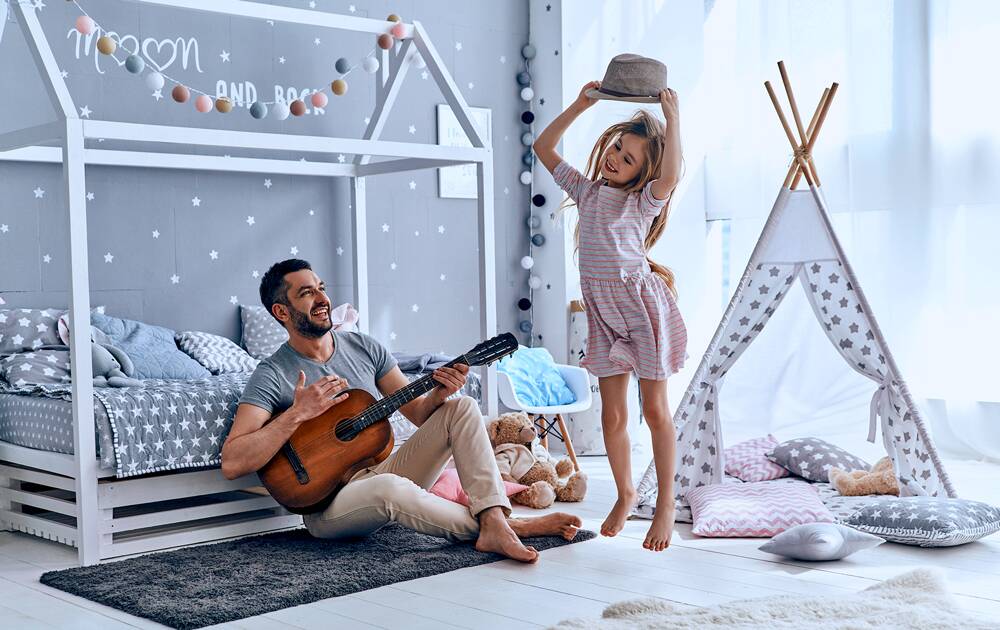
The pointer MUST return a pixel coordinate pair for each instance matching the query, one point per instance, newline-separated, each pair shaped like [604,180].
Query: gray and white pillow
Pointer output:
[817,542]
[48,366]
[927,521]
[28,329]
[216,353]
[812,458]
[262,334]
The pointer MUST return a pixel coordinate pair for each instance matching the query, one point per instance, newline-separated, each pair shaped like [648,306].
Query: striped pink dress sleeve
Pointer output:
[649,205]
[572,181]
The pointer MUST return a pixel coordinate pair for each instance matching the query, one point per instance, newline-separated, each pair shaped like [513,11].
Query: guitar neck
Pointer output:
[388,405]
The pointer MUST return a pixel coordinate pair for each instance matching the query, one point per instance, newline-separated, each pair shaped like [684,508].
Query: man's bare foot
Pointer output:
[618,515]
[555,524]
[658,536]
[496,536]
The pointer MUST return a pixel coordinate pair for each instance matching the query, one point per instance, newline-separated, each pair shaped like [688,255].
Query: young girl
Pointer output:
[623,205]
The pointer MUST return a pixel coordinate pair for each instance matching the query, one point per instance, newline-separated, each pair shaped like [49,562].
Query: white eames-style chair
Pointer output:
[547,418]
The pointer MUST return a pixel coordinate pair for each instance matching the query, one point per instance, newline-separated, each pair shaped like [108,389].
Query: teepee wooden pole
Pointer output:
[819,125]
[793,170]
[796,149]
[791,101]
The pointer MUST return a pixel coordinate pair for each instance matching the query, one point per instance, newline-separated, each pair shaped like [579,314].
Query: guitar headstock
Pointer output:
[492,349]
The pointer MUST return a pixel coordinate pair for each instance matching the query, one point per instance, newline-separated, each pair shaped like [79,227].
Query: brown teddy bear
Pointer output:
[522,460]
[881,479]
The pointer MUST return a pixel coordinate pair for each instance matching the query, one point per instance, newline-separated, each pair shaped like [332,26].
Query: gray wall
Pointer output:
[310,214]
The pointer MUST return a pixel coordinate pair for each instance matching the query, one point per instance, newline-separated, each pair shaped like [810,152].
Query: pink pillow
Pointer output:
[760,509]
[746,460]
[449,487]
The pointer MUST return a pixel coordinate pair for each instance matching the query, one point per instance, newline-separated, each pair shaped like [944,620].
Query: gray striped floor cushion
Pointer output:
[217,354]
[927,521]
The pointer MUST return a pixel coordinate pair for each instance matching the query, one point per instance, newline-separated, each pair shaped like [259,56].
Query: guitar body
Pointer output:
[328,463]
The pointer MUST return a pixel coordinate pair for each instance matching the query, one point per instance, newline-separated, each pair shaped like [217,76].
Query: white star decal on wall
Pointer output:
[506,190]
[156,234]
[281,60]
[233,300]
[443,277]
[46,259]
[368,119]
[224,55]
[352,8]
[39,5]
[316,41]
[471,85]
[440,229]
[250,220]
[157,94]
[196,202]
[90,196]
[214,255]
[413,185]
[458,45]
[341,158]
[255,273]
[312,4]
[293,250]
[415,308]
[312,212]
[267,183]
[4,228]
[108,257]
[63,74]
[416,232]
[392,266]
[340,251]
[503,59]
[471,308]
[412,129]
[392,336]
[85,112]
[424,75]
[385,227]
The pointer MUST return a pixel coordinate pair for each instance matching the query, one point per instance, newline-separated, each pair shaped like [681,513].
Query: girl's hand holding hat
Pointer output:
[669,104]
[582,99]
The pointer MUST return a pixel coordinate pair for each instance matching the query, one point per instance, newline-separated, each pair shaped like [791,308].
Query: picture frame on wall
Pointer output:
[459,182]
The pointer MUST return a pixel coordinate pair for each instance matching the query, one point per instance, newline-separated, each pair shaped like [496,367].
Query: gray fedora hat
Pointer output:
[632,78]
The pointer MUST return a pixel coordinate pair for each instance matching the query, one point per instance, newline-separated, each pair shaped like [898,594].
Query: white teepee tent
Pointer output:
[798,243]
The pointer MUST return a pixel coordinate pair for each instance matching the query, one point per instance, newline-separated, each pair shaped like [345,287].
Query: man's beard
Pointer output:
[305,326]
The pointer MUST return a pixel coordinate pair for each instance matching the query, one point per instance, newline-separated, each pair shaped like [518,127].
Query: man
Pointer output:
[277,400]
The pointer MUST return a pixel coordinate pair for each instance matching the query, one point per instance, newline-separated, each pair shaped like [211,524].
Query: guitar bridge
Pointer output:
[293,458]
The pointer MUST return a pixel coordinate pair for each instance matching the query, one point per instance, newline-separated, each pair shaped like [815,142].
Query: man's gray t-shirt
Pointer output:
[358,358]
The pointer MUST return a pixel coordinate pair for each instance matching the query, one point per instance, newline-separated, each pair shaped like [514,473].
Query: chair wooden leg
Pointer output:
[568,441]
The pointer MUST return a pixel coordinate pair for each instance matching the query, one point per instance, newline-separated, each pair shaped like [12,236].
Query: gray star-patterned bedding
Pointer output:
[262,334]
[812,458]
[218,355]
[843,507]
[28,329]
[927,521]
[45,366]
[46,424]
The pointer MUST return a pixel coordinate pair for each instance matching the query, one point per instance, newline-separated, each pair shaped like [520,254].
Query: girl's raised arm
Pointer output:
[545,144]
[670,167]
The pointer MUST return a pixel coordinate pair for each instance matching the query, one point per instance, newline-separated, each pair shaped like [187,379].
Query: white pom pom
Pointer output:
[535,282]
[280,111]
[526,178]
[154,81]
[527,262]
[370,64]
[527,94]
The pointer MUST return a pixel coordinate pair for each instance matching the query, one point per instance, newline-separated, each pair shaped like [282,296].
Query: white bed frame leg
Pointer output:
[84,448]
[359,236]
[487,275]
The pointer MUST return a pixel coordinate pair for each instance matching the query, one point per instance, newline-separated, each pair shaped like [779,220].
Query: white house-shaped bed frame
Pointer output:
[64,487]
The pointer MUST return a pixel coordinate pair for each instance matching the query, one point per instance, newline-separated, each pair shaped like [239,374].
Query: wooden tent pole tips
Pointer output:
[792,179]
[819,124]
[796,149]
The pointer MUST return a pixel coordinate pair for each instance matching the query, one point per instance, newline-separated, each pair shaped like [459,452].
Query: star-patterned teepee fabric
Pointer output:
[852,330]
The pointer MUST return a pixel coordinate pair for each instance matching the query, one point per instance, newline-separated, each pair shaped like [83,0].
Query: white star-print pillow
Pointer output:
[28,329]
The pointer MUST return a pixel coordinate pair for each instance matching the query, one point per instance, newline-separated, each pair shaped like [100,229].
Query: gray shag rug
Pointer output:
[201,586]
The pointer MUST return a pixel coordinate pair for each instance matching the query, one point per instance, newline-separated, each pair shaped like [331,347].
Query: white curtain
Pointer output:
[910,164]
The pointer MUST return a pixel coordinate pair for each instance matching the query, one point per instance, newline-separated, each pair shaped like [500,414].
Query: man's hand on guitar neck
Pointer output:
[315,399]
[450,379]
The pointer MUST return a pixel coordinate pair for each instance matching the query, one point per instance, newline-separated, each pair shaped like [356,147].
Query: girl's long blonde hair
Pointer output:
[648,128]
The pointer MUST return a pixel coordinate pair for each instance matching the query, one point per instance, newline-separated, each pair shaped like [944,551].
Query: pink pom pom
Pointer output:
[203,103]
[319,99]
[399,30]
[85,25]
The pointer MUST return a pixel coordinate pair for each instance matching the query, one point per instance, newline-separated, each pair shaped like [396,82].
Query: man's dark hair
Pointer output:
[273,288]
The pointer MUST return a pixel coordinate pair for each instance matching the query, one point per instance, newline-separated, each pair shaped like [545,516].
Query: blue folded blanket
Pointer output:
[535,378]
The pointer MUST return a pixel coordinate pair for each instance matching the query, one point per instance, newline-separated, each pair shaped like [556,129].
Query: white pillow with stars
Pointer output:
[819,542]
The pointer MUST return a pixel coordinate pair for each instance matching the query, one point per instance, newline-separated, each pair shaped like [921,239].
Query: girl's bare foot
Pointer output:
[555,524]
[658,536]
[618,515]
[496,536]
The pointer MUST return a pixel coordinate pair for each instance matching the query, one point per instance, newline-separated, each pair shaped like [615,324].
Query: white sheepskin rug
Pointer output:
[917,599]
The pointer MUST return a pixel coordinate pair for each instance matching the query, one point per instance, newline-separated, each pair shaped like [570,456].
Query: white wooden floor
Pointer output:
[576,580]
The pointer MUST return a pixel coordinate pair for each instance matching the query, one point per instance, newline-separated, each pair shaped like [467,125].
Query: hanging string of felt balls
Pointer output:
[205,102]
[534,222]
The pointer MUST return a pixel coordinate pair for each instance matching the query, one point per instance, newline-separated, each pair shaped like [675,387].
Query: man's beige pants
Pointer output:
[396,489]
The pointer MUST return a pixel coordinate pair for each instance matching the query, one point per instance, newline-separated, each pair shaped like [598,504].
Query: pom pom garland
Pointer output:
[258,110]
[339,87]
[538,200]
[534,222]
[85,25]
[319,99]
[527,262]
[106,45]
[535,282]
[527,94]
[384,41]
[154,81]
[528,51]
[342,66]
[524,326]
[526,178]
[527,157]
[392,18]
[398,31]
[135,64]
[538,240]
[223,105]
[203,103]
[527,117]
[370,64]
[524,304]
[180,93]
[527,138]
[298,108]
[523,79]
[280,111]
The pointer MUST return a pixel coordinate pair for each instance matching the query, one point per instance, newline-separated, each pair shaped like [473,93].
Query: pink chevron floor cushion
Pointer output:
[754,510]
[746,460]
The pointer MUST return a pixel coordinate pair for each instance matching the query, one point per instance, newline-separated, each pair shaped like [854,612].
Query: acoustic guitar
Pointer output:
[325,452]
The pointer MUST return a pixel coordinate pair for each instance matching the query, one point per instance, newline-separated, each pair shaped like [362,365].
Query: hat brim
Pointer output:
[597,94]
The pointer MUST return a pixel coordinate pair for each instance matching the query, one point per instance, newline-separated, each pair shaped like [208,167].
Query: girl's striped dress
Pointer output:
[634,323]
